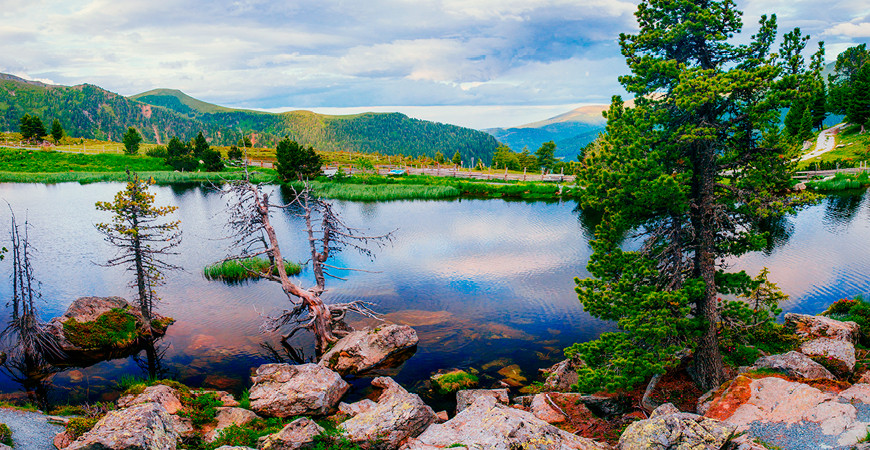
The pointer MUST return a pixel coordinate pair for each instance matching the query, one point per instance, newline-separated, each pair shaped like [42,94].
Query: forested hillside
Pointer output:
[91,112]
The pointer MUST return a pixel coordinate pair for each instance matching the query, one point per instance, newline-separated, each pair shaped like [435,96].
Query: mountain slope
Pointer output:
[570,131]
[91,112]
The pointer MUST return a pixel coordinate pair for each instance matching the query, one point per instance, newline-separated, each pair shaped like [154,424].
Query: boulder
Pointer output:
[296,435]
[668,428]
[793,364]
[465,398]
[790,414]
[230,447]
[562,375]
[840,355]
[228,416]
[365,349]
[162,394]
[284,390]
[353,409]
[397,416]
[487,424]
[543,408]
[141,427]
[822,327]
[63,439]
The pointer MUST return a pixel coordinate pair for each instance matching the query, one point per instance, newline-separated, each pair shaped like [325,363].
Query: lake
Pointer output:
[486,283]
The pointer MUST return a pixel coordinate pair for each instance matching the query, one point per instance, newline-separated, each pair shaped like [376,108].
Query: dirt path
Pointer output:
[30,430]
[825,142]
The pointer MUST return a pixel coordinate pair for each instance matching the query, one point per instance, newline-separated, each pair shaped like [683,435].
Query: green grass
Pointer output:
[157,177]
[856,148]
[115,328]
[242,269]
[16,160]
[841,182]
[373,193]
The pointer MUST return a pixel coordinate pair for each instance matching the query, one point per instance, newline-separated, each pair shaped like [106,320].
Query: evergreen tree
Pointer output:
[545,155]
[439,157]
[131,141]
[858,105]
[142,238]
[820,92]
[841,83]
[527,159]
[694,165]
[234,153]
[211,159]
[31,127]
[295,162]
[504,157]
[179,155]
[56,131]
[200,146]
[457,159]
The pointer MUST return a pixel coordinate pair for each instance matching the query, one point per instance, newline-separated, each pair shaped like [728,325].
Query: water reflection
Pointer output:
[841,208]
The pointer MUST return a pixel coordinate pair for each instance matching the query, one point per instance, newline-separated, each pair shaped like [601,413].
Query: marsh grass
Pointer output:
[841,182]
[164,177]
[236,270]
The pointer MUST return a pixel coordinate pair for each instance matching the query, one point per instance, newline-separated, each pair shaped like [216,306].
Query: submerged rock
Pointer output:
[822,327]
[141,427]
[793,364]
[452,381]
[365,349]
[297,434]
[283,390]
[487,424]
[668,428]
[397,416]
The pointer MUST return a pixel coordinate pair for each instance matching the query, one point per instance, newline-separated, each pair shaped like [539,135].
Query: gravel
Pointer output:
[30,430]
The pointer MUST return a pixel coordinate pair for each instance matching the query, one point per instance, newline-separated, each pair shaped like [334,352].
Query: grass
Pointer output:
[372,193]
[6,435]
[115,328]
[16,160]
[236,270]
[453,381]
[856,148]
[841,182]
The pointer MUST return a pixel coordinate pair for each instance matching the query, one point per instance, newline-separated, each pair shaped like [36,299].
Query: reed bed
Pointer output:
[236,270]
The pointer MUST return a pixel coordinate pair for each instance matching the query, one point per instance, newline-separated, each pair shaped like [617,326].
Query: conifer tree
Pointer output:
[56,131]
[693,166]
[131,141]
[457,159]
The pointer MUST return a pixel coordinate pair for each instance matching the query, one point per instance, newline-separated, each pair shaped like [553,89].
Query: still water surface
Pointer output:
[486,283]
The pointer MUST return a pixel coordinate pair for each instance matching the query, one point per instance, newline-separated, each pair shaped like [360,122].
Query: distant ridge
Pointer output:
[571,131]
[160,114]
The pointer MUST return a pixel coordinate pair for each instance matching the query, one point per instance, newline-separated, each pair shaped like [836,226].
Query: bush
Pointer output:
[78,426]
[156,152]
[6,435]
[202,409]
[857,311]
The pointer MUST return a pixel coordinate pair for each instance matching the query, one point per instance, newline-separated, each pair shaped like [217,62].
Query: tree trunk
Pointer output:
[144,301]
[708,364]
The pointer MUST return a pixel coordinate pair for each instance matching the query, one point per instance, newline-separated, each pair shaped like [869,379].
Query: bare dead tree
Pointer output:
[249,208]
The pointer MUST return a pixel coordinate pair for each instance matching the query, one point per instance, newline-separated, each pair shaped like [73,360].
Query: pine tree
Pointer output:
[142,238]
[200,146]
[858,106]
[457,159]
[295,162]
[693,164]
[56,131]
[131,141]
[546,155]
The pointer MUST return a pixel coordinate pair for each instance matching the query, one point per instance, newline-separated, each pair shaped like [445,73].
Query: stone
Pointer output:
[466,397]
[63,439]
[159,393]
[353,409]
[397,416]
[441,417]
[228,416]
[606,405]
[513,375]
[668,428]
[562,375]
[365,349]
[183,426]
[487,424]
[229,447]
[820,326]
[141,427]
[789,414]
[543,408]
[839,354]
[284,390]
[296,435]
[793,364]
[865,378]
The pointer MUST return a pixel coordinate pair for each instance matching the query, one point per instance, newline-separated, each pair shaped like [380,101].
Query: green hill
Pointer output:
[91,112]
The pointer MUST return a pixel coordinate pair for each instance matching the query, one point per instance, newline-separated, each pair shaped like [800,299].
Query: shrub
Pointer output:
[156,152]
[857,310]
[78,426]
[6,435]
[202,409]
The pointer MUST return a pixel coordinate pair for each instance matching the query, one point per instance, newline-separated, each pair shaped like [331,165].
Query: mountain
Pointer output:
[92,112]
[570,131]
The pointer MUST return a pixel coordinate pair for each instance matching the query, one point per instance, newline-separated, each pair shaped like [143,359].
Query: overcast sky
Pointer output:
[478,63]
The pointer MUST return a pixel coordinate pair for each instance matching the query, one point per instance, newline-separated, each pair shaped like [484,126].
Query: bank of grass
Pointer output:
[841,182]
[163,177]
[241,269]
[47,161]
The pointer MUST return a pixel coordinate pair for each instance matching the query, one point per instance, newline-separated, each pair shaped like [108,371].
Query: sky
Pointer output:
[476,63]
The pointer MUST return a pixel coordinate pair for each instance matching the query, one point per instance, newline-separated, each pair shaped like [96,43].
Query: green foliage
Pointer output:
[856,310]
[56,131]
[200,146]
[841,182]
[504,157]
[545,155]
[31,127]
[211,159]
[245,399]
[202,409]
[16,160]
[439,157]
[77,426]
[240,269]
[363,164]
[6,435]
[457,159]
[115,328]
[131,141]
[179,155]
[295,162]
[454,381]
[858,106]
[694,165]
[849,83]
[235,153]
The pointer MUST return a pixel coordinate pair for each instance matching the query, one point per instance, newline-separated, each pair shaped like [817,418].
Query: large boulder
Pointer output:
[840,355]
[545,409]
[793,364]
[487,424]
[397,416]
[227,417]
[812,327]
[284,390]
[793,415]
[465,398]
[668,428]
[297,434]
[141,427]
[82,336]
[562,375]
[159,393]
[365,349]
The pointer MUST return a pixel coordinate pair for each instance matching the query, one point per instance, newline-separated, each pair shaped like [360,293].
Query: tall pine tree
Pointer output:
[693,166]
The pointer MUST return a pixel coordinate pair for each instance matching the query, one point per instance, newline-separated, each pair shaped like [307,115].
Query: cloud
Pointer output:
[853,30]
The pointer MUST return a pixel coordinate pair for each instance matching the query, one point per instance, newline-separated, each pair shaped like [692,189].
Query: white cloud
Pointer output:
[852,30]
